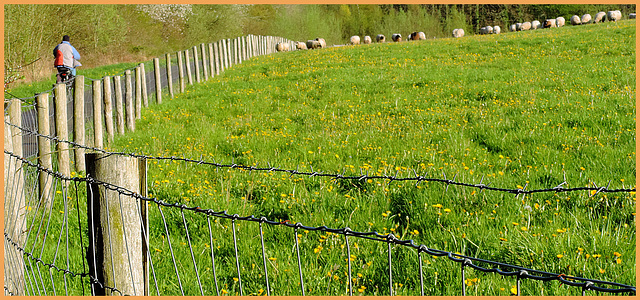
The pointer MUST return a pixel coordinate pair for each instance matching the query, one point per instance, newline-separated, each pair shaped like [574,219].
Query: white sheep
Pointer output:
[396,37]
[355,40]
[560,21]
[458,33]
[282,47]
[323,44]
[518,26]
[550,23]
[600,17]
[535,24]
[496,29]
[367,40]
[614,15]
[301,46]
[313,44]
[512,27]
[585,19]
[380,38]
[575,20]
[526,26]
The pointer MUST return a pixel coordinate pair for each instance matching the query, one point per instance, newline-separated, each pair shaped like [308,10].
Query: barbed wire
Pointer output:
[465,260]
[337,176]
[58,269]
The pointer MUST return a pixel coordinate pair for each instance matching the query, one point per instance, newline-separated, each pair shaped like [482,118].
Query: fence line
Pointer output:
[485,266]
[341,176]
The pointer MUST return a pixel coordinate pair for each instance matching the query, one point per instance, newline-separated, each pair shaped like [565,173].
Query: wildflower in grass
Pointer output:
[601,271]
[514,290]
[471,281]
[515,224]
[617,254]
[559,256]
[447,210]
[503,239]
[437,205]
[361,289]
[523,228]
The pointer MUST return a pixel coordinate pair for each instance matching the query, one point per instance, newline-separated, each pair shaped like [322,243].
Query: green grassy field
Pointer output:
[530,109]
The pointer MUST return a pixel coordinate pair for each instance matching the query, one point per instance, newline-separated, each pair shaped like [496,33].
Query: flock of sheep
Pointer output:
[612,16]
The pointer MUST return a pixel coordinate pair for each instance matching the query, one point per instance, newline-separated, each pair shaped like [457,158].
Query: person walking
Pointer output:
[66,58]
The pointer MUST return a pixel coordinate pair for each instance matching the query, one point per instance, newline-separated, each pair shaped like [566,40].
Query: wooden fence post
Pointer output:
[145,96]
[108,109]
[117,80]
[60,100]
[138,93]
[212,62]
[156,68]
[44,149]
[188,63]
[14,209]
[78,121]
[98,130]
[221,55]
[115,253]
[169,77]
[196,63]
[181,71]
[129,113]
[203,54]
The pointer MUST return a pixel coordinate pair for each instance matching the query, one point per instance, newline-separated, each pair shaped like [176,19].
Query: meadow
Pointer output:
[528,110]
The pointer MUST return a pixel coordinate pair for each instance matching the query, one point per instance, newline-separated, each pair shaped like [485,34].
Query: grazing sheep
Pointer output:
[536,25]
[512,27]
[526,26]
[586,19]
[367,40]
[632,15]
[323,44]
[396,37]
[560,21]
[550,23]
[282,47]
[422,36]
[600,17]
[355,40]
[413,36]
[496,29]
[301,46]
[380,38]
[313,44]
[614,15]
[518,26]
[575,20]
[458,33]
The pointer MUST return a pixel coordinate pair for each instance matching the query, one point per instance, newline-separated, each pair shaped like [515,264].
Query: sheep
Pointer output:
[301,46]
[367,39]
[322,42]
[422,36]
[550,23]
[355,40]
[632,16]
[512,27]
[413,36]
[575,20]
[526,26]
[586,19]
[380,38]
[560,21]
[313,44]
[614,15]
[496,29]
[282,47]
[535,24]
[518,26]
[600,17]
[396,37]
[458,33]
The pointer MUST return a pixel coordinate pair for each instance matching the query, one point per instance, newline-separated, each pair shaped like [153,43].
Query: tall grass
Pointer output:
[532,109]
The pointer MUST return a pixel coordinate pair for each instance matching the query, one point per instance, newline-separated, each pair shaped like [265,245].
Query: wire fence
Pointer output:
[101,234]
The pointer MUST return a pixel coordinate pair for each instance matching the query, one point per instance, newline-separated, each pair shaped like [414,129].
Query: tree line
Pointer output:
[107,34]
